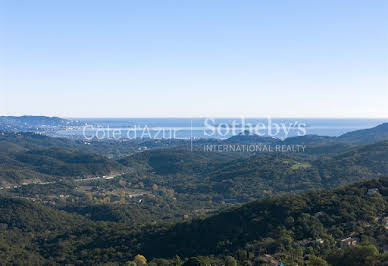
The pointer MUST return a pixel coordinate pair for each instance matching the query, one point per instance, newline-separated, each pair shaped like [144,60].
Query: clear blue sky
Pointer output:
[194,58]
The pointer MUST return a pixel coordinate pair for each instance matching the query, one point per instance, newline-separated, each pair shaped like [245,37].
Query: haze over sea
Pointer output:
[186,128]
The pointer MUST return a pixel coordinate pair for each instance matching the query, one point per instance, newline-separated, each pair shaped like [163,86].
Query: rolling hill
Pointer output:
[176,160]
[358,137]
[244,178]
[292,228]
[365,136]
[27,157]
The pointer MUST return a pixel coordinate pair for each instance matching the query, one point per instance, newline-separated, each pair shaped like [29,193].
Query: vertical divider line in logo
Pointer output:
[191,134]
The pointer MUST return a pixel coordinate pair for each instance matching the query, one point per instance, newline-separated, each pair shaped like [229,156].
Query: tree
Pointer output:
[230,261]
[355,256]
[140,260]
[316,261]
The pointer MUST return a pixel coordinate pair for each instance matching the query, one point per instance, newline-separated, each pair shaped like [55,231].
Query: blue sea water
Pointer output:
[220,128]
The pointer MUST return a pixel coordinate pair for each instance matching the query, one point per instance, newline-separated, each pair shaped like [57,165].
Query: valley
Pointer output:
[67,202]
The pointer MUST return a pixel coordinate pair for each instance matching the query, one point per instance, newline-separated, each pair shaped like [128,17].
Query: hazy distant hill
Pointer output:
[369,135]
[310,140]
[250,138]
[16,141]
[317,143]
[12,141]
[34,123]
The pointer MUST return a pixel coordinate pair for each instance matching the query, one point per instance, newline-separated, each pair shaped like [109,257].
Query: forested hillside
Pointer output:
[177,160]
[257,175]
[320,144]
[28,157]
[292,229]
[364,136]
[68,202]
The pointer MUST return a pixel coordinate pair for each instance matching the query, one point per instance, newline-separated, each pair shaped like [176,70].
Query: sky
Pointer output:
[194,58]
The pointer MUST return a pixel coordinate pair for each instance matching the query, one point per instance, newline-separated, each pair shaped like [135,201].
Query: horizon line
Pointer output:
[199,117]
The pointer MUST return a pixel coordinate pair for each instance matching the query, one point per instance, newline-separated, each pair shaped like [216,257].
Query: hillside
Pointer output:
[24,224]
[112,220]
[21,165]
[365,136]
[176,160]
[30,217]
[226,177]
[321,144]
[11,141]
[271,218]
[361,162]
[246,137]
[282,170]
[286,227]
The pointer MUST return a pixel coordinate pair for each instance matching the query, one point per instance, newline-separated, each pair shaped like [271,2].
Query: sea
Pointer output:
[218,128]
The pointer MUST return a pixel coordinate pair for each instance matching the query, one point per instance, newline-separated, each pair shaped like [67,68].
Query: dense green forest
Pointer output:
[80,202]
[301,229]
[255,176]
[51,164]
